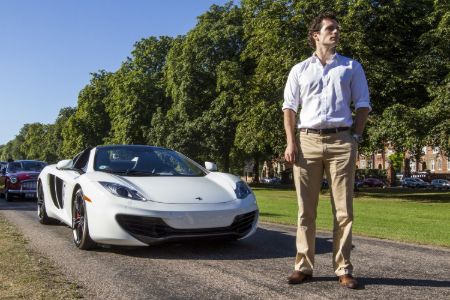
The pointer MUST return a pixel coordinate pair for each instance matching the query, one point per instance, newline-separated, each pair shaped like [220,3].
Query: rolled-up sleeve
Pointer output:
[292,91]
[359,88]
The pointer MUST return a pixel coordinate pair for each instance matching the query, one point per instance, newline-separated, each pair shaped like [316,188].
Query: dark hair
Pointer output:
[316,25]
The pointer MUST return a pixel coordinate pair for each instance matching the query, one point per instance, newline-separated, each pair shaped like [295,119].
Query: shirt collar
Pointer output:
[332,59]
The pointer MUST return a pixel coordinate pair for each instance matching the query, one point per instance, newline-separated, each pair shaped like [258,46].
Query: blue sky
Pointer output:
[48,48]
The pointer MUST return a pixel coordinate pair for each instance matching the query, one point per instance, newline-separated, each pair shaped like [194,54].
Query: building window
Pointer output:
[439,164]
[424,166]
[435,150]
[363,163]
[432,165]
[424,150]
[412,165]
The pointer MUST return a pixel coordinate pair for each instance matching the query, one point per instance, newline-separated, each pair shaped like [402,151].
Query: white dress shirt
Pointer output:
[325,93]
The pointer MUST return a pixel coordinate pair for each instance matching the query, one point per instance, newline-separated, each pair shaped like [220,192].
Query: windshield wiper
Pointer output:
[138,172]
[130,172]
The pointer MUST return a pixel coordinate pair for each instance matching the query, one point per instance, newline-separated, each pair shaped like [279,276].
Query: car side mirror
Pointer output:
[64,164]
[210,166]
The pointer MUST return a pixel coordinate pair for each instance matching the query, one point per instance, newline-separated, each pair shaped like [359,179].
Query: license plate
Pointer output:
[30,195]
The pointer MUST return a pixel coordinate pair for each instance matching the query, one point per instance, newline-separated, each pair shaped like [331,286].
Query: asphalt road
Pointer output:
[255,268]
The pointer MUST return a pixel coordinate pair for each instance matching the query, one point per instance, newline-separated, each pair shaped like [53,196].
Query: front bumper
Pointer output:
[151,230]
[27,188]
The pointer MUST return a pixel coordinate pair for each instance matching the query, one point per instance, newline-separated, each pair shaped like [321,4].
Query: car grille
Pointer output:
[28,185]
[145,228]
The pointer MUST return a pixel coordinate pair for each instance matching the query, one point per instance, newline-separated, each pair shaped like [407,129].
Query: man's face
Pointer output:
[328,35]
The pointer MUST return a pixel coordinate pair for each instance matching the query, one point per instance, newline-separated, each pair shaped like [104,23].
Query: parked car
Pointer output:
[272,180]
[18,178]
[135,195]
[371,182]
[440,184]
[414,183]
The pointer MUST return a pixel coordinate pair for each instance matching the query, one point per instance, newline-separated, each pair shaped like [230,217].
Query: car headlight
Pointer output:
[242,190]
[122,191]
[13,179]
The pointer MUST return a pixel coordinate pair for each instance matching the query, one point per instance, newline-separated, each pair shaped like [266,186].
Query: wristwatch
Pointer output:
[358,138]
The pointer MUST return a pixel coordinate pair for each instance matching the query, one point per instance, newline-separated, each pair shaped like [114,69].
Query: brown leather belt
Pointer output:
[324,131]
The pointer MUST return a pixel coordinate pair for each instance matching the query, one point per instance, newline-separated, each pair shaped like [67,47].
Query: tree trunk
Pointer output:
[407,167]
[256,168]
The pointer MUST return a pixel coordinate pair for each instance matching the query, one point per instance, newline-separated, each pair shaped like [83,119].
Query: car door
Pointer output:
[62,183]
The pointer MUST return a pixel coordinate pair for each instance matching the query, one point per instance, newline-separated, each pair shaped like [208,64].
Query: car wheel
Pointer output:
[80,227]
[41,211]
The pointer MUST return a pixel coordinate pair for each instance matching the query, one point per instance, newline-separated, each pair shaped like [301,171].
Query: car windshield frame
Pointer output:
[145,161]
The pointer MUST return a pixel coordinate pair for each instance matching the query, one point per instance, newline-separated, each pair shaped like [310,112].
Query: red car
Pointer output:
[19,178]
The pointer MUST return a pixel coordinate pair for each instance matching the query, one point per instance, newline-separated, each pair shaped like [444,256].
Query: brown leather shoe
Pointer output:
[348,281]
[298,277]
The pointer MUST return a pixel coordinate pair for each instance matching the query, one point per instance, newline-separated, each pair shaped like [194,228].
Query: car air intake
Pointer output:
[150,229]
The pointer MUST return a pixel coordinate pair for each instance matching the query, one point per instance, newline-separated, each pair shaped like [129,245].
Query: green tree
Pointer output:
[138,89]
[383,36]
[12,150]
[54,138]
[90,124]
[434,67]
[205,81]
[34,136]
[398,125]
[417,73]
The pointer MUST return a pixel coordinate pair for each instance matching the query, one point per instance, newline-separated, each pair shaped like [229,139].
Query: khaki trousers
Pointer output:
[334,154]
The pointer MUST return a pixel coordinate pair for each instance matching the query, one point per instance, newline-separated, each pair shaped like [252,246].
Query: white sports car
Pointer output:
[138,195]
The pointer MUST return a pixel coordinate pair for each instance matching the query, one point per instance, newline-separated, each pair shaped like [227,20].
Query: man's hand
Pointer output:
[290,155]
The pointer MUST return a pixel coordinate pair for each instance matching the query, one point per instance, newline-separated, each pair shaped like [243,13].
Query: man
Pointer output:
[325,85]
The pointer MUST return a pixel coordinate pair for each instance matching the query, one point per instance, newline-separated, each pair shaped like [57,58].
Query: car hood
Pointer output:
[182,190]
[24,175]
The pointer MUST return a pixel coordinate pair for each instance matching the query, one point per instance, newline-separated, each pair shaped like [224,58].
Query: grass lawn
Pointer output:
[25,274]
[415,216]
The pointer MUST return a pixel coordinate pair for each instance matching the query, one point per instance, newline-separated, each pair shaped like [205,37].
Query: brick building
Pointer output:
[433,160]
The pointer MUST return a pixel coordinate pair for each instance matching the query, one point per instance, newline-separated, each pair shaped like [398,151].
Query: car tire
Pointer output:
[80,227]
[41,210]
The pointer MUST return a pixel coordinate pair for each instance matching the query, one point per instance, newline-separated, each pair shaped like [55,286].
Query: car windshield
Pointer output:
[144,161]
[18,166]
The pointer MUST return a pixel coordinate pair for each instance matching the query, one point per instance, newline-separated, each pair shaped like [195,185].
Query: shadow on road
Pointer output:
[264,244]
[23,204]
[404,282]
[401,282]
